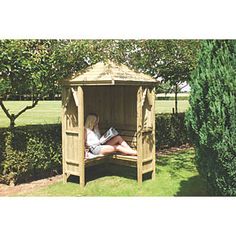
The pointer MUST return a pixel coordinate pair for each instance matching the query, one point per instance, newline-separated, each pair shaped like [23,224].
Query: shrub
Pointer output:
[30,152]
[170,130]
[212,116]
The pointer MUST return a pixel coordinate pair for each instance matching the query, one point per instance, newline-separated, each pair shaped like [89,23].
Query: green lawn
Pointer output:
[49,112]
[46,112]
[176,175]
[165,106]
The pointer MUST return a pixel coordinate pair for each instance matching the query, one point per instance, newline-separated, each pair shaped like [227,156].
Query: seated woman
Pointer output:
[116,144]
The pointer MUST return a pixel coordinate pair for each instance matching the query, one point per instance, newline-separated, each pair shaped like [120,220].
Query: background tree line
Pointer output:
[34,68]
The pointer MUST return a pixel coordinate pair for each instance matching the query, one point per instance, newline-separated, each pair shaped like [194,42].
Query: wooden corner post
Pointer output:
[80,95]
[63,133]
[139,135]
[153,133]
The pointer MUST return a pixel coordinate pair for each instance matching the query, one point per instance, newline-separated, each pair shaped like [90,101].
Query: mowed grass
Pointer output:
[46,112]
[165,106]
[176,175]
[49,112]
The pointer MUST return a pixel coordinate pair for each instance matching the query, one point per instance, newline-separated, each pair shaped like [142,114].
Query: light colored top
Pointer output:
[110,73]
[93,137]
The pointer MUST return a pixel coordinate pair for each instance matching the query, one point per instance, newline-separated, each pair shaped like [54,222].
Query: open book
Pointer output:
[112,132]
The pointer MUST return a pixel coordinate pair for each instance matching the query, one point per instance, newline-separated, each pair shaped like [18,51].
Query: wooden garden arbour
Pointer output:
[123,99]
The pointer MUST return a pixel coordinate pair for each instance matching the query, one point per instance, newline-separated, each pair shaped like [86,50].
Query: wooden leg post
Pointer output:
[153,133]
[80,95]
[64,178]
[139,174]
[64,135]
[82,180]
[154,170]
[139,135]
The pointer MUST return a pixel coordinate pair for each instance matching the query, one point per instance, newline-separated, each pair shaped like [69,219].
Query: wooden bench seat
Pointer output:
[124,160]
[99,159]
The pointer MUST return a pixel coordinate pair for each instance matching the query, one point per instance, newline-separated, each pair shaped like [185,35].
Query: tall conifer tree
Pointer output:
[212,117]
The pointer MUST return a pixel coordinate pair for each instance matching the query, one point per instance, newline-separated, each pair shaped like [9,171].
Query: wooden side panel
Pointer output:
[148,130]
[72,160]
[71,132]
[72,147]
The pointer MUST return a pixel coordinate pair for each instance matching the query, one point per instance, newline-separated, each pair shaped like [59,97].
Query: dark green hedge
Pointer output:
[170,130]
[29,153]
[34,152]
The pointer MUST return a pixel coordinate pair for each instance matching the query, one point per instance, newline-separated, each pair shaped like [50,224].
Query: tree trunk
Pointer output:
[176,98]
[13,117]
[12,121]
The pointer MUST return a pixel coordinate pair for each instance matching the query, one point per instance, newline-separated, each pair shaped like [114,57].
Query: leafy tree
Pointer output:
[170,60]
[212,116]
[26,67]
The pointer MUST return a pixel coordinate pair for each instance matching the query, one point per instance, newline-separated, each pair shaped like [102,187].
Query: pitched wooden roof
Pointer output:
[109,73]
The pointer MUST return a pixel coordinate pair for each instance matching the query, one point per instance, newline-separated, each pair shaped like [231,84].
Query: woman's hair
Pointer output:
[91,120]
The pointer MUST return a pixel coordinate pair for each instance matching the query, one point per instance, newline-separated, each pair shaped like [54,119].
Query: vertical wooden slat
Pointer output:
[68,147]
[107,105]
[153,133]
[63,135]
[76,149]
[119,105]
[112,104]
[73,147]
[81,135]
[139,135]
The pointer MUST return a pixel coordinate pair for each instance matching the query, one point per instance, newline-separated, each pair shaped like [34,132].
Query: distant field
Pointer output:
[165,106]
[46,112]
[49,112]
[172,94]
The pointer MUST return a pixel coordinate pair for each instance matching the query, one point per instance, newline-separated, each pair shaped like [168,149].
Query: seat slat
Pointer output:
[70,172]
[147,160]
[72,162]
[125,157]
[99,159]
[147,170]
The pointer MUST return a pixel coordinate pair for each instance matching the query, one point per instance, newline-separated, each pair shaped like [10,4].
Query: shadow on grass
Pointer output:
[194,186]
[105,170]
[179,165]
[177,162]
